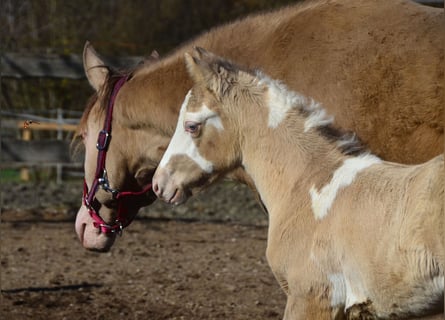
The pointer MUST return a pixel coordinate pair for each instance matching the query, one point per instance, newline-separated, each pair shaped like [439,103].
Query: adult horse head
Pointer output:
[365,71]
[117,175]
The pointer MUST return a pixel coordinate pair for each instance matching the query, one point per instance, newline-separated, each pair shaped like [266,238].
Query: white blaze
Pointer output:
[182,143]
[205,115]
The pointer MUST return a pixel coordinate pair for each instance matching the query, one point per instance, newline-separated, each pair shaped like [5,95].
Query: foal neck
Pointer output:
[289,122]
[293,149]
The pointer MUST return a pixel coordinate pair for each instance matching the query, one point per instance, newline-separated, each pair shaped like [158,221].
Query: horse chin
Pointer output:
[90,237]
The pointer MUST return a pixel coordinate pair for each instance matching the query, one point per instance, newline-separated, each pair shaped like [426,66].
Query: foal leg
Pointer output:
[311,308]
[364,312]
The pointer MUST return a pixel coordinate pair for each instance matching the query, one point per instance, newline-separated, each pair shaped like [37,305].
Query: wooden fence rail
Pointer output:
[27,154]
[35,151]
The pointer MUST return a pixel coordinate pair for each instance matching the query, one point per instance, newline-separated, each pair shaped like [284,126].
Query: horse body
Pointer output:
[319,48]
[371,251]
[378,66]
[349,234]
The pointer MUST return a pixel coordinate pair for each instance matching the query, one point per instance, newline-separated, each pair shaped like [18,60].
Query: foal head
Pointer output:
[206,143]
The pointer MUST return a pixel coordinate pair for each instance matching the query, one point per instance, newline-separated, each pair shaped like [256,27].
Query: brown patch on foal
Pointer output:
[361,311]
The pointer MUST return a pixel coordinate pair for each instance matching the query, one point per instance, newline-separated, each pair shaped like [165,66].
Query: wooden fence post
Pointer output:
[24,172]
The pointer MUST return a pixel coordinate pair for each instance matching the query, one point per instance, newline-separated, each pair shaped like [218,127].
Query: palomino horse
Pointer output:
[349,234]
[377,65]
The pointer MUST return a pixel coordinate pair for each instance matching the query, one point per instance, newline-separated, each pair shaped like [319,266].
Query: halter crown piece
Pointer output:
[101,178]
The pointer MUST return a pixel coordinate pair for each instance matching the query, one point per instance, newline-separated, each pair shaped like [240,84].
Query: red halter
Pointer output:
[101,178]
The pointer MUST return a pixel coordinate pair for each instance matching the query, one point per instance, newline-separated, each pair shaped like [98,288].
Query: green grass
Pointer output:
[9,175]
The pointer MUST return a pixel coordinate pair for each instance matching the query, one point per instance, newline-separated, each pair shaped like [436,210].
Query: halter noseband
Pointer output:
[101,178]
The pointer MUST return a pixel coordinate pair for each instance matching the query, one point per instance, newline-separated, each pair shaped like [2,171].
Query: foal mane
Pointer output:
[346,142]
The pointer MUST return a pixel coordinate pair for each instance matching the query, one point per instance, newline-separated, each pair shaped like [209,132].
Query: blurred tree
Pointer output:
[116,28]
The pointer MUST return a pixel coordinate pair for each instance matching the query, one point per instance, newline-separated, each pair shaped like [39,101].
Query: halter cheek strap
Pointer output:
[101,178]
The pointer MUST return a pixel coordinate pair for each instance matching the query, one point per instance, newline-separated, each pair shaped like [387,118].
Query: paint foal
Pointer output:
[349,234]
[378,67]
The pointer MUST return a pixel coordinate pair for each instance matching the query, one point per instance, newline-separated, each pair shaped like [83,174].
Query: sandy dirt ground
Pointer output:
[205,260]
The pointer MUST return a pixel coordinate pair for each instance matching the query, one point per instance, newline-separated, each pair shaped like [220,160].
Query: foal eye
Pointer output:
[192,127]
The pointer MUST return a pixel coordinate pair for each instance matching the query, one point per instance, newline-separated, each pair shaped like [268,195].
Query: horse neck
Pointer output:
[286,161]
[159,88]
[152,98]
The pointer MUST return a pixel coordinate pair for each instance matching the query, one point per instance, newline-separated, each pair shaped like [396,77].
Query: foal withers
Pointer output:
[348,233]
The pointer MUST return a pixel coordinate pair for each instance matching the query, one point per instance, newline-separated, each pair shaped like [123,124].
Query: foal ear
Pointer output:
[198,69]
[208,69]
[94,67]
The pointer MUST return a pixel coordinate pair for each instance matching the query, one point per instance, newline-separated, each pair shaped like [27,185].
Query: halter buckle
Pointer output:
[121,228]
[116,228]
[105,228]
[105,185]
[103,140]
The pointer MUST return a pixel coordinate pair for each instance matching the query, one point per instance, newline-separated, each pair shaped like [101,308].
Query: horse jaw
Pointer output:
[90,236]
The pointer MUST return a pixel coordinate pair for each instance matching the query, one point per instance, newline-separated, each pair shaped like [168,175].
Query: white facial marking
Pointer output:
[322,200]
[281,100]
[183,144]
[338,292]
[205,115]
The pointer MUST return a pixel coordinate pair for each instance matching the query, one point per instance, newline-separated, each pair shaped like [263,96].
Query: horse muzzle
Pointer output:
[167,190]
[91,237]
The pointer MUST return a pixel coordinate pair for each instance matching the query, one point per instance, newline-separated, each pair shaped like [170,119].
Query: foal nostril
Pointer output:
[156,189]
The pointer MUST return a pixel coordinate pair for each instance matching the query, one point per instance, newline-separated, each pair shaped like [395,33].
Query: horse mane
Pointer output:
[346,142]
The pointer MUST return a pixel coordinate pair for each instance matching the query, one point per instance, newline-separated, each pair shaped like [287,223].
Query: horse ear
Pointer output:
[154,55]
[197,68]
[94,67]
[192,67]
[207,68]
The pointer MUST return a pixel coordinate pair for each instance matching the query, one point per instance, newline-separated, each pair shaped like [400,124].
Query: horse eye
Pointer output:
[192,127]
